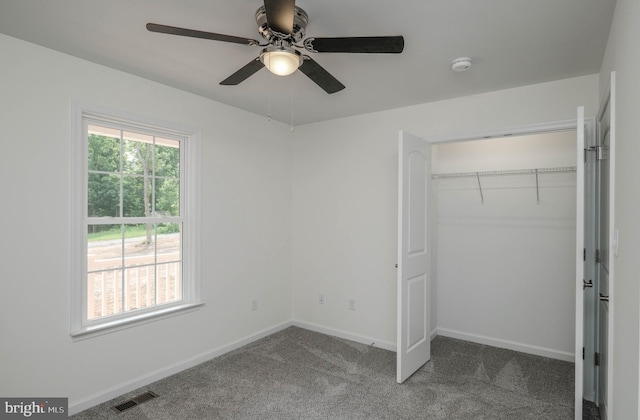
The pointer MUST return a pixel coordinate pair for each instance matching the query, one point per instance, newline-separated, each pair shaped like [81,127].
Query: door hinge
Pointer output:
[597,359]
[599,151]
[583,353]
[597,256]
[584,254]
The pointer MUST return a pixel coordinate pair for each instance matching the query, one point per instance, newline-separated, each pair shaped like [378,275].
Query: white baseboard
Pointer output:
[387,345]
[506,344]
[123,388]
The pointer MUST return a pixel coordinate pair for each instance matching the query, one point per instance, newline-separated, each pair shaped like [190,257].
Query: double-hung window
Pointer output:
[134,219]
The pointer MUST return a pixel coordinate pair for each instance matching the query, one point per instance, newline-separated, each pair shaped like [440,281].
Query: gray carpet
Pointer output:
[300,374]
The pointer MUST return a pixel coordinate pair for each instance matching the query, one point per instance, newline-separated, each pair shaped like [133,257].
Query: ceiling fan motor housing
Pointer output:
[300,21]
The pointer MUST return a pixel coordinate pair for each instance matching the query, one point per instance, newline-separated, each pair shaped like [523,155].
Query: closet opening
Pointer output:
[504,242]
[505,231]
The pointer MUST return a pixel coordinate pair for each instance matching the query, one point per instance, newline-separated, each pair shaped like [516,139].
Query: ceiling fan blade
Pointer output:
[244,73]
[172,30]
[280,15]
[363,44]
[320,76]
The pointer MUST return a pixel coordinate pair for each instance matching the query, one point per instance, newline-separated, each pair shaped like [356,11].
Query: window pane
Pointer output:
[169,242]
[133,196]
[137,153]
[139,246]
[167,197]
[167,158]
[104,247]
[104,293]
[140,287]
[104,153]
[103,195]
[169,282]
[169,249]
[138,232]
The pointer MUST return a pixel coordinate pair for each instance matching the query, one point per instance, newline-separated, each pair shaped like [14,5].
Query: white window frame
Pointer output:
[81,327]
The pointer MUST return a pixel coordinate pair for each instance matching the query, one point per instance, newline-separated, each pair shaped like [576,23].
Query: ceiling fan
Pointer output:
[283,25]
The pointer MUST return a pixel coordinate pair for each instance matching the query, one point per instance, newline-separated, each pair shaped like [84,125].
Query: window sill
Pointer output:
[110,326]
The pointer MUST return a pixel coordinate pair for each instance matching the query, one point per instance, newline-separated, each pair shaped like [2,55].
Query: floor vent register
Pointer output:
[134,401]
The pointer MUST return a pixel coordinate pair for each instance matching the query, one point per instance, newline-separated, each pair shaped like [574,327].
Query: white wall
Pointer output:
[622,56]
[246,230]
[506,268]
[345,197]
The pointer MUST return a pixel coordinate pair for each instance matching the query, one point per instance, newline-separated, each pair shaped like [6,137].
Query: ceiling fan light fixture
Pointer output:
[281,61]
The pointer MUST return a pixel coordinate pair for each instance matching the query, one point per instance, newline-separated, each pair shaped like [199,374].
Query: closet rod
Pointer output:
[506,172]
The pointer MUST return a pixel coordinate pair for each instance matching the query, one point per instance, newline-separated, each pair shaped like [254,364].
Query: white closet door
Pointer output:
[580,245]
[414,256]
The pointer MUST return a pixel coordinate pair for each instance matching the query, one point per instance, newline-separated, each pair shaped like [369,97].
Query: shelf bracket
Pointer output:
[537,189]
[480,188]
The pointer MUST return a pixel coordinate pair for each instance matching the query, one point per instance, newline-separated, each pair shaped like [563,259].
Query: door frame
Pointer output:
[585,370]
[608,104]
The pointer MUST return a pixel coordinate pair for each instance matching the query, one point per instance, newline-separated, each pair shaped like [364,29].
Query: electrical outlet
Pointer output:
[321,299]
[352,304]
[254,304]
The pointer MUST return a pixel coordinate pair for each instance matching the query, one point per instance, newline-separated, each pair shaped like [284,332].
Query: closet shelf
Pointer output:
[535,172]
[505,172]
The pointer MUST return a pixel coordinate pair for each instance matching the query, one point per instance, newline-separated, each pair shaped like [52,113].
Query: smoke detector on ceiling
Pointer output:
[461,64]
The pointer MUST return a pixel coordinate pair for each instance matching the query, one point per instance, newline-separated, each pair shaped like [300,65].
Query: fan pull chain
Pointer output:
[291,129]
[269,103]
[269,108]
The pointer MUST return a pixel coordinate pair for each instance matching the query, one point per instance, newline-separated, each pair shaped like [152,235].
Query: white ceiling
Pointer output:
[512,43]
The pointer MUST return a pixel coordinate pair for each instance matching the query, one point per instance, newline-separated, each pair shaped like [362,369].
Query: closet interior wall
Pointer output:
[505,262]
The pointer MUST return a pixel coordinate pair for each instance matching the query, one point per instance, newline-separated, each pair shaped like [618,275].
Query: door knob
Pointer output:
[604,298]
[586,284]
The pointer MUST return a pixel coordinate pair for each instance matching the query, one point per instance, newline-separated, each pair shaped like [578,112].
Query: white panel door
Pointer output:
[590,287]
[414,255]
[580,246]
